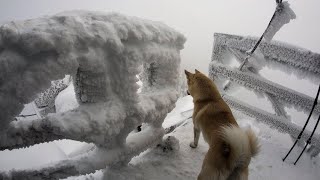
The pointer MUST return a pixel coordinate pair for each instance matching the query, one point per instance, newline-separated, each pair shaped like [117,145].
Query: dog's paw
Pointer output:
[193,145]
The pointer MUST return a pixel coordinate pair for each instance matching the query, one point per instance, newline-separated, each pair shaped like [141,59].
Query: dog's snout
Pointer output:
[188,92]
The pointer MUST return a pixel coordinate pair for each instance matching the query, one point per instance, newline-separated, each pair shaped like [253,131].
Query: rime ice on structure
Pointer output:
[285,95]
[275,55]
[103,53]
[276,122]
[46,99]
[282,16]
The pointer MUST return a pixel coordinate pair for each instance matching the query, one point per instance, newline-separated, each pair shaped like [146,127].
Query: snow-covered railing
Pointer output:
[274,55]
[104,54]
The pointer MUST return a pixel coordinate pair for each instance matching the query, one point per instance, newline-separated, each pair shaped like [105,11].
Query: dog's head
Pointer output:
[199,85]
[191,80]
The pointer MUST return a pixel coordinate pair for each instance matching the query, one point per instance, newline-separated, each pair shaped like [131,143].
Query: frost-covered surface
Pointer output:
[275,122]
[184,163]
[249,80]
[269,55]
[34,156]
[83,44]
[46,99]
[66,100]
[282,16]
[287,58]
[103,53]
[277,106]
[96,159]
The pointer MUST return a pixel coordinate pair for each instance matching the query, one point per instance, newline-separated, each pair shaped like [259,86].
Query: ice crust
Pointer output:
[103,53]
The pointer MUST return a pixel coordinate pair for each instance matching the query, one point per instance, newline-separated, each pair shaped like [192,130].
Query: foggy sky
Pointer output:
[197,20]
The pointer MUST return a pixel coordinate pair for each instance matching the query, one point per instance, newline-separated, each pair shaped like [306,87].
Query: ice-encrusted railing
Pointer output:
[274,55]
[103,53]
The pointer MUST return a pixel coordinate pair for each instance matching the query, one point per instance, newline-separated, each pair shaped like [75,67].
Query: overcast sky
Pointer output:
[197,20]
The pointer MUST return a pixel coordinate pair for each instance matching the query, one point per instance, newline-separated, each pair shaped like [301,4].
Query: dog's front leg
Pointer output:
[196,135]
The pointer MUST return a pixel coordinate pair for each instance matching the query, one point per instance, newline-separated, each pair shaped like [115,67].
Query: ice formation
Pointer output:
[288,96]
[275,55]
[46,99]
[282,16]
[274,121]
[103,53]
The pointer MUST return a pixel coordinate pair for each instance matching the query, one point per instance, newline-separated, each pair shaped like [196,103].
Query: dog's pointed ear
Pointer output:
[197,72]
[188,74]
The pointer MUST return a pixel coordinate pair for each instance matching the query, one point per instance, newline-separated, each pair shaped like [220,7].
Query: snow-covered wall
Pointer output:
[103,53]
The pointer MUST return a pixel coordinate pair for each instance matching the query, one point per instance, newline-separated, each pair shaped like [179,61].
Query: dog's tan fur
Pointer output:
[230,148]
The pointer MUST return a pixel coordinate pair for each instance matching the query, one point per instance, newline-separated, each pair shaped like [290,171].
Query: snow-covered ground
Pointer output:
[173,158]
[180,162]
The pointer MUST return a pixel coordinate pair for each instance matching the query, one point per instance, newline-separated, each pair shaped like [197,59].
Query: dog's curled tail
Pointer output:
[238,146]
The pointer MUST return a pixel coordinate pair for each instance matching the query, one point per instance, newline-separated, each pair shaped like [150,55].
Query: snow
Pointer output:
[305,85]
[276,122]
[285,95]
[282,16]
[289,59]
[184,163]
[47,97]
[125,73]
[32,157]
[277,95]
[66,100]
[273,68]
[247,96]
[37,51]
[104,54]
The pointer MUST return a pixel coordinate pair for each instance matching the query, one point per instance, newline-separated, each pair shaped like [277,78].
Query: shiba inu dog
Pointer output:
[230,148]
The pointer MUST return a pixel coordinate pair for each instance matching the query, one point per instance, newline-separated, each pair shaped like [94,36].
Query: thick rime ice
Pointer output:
[275,55]
[276,122]
[254,82]
[103,53]
[46,99]
[282,16]
[287,58]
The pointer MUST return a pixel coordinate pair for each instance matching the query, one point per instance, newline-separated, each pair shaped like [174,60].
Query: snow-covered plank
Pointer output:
[277,106]
[249,80]
[276,122]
